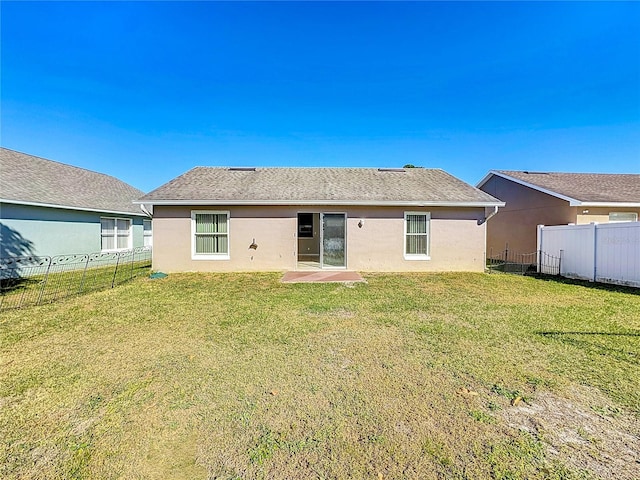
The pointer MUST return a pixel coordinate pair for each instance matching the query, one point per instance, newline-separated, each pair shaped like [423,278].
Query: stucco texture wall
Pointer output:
[456,240]
[515,224]
[42,231]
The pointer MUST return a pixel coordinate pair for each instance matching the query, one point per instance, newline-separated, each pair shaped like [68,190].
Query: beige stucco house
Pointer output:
[549,198]
[284,219]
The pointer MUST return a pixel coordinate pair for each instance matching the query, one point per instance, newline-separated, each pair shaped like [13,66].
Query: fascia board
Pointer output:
[67,207]
[485,179]
[610,204]
[322,202]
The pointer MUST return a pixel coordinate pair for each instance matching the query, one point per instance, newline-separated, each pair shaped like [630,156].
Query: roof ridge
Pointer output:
[226,167]
[533,172]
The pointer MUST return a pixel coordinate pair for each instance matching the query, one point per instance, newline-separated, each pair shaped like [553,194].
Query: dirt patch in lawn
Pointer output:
[585,432]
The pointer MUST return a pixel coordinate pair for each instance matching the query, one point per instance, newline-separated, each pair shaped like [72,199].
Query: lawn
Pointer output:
[237,376]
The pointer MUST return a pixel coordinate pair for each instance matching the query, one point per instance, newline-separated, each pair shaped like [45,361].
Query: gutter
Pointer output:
[143,207]
[607,204]
[486,218]
[415,203]
[68,207]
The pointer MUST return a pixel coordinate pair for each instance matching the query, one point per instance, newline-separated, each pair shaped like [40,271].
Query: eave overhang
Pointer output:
[68,207]
[416,203]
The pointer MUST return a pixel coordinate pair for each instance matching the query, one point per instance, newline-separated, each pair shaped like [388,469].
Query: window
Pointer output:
[623,217]
[416,233]
[147,233]
[305,225]
[115,234]
[210,235]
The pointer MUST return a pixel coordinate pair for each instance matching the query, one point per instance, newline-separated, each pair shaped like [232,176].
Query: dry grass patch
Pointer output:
[405,376]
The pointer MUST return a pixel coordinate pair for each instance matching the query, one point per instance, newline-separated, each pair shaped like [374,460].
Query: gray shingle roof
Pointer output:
[29,179]
[370,186]
[585,187]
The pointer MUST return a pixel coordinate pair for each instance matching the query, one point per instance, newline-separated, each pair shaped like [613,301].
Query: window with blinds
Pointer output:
[147,233]
[210,234]
[416,233]
[115,234]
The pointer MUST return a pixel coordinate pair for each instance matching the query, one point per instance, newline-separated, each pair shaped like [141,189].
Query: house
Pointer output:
[278,219]
[49,208]
[549,198]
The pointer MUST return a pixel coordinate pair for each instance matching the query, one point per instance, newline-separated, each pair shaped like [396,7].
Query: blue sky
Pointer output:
[147,90]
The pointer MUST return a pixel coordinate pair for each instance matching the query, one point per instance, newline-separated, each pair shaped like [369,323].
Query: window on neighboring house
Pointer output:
[623,217]
[210,235]
[115,234]
[416,233]
[147,233]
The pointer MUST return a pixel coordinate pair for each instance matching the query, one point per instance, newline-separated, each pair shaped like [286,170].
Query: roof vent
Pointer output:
[242,169]
[535,173]
[391,170]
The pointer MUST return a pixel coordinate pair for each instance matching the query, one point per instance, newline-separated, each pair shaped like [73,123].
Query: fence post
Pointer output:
[539,260]
[490,260]
[115,271]
[539,247]
[560,264]
[595,250]
[133,258]
[44,283]
[84,273]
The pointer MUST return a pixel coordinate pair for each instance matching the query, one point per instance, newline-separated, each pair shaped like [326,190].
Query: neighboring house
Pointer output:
[275,219]
[49,208]
[548,198]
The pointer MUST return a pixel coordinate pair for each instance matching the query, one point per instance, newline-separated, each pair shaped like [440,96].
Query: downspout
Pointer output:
[486,219]
[482,222]
[143,207]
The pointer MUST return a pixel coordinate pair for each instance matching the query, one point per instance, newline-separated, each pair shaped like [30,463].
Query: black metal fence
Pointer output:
[532,263]
[27,281]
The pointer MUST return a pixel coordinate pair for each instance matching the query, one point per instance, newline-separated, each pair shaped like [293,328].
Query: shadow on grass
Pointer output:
[621,353]
[610,287]
[624,334]
[17,283]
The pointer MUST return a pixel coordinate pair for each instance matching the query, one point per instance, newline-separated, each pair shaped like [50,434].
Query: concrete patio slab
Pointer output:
[321,277]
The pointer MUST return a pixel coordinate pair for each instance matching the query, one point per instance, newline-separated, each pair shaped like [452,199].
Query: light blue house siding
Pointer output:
[45,231]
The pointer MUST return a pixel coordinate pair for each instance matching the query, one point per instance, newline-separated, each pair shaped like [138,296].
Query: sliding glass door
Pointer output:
[333,251]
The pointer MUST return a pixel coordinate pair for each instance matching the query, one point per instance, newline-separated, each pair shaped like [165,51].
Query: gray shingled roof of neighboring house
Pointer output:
[583,187]
[27,179]
[305,186]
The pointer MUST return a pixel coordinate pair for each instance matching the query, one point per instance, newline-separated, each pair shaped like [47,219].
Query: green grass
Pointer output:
[239,376]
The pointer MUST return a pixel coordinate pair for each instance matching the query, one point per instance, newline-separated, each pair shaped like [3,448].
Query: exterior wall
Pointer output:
[515,225]
[601,214]
[30,230]
[456,240]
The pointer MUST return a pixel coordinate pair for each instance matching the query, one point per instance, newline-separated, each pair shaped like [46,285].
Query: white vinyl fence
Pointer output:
[607,252]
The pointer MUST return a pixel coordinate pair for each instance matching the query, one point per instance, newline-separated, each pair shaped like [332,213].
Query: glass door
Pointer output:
[333,251]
